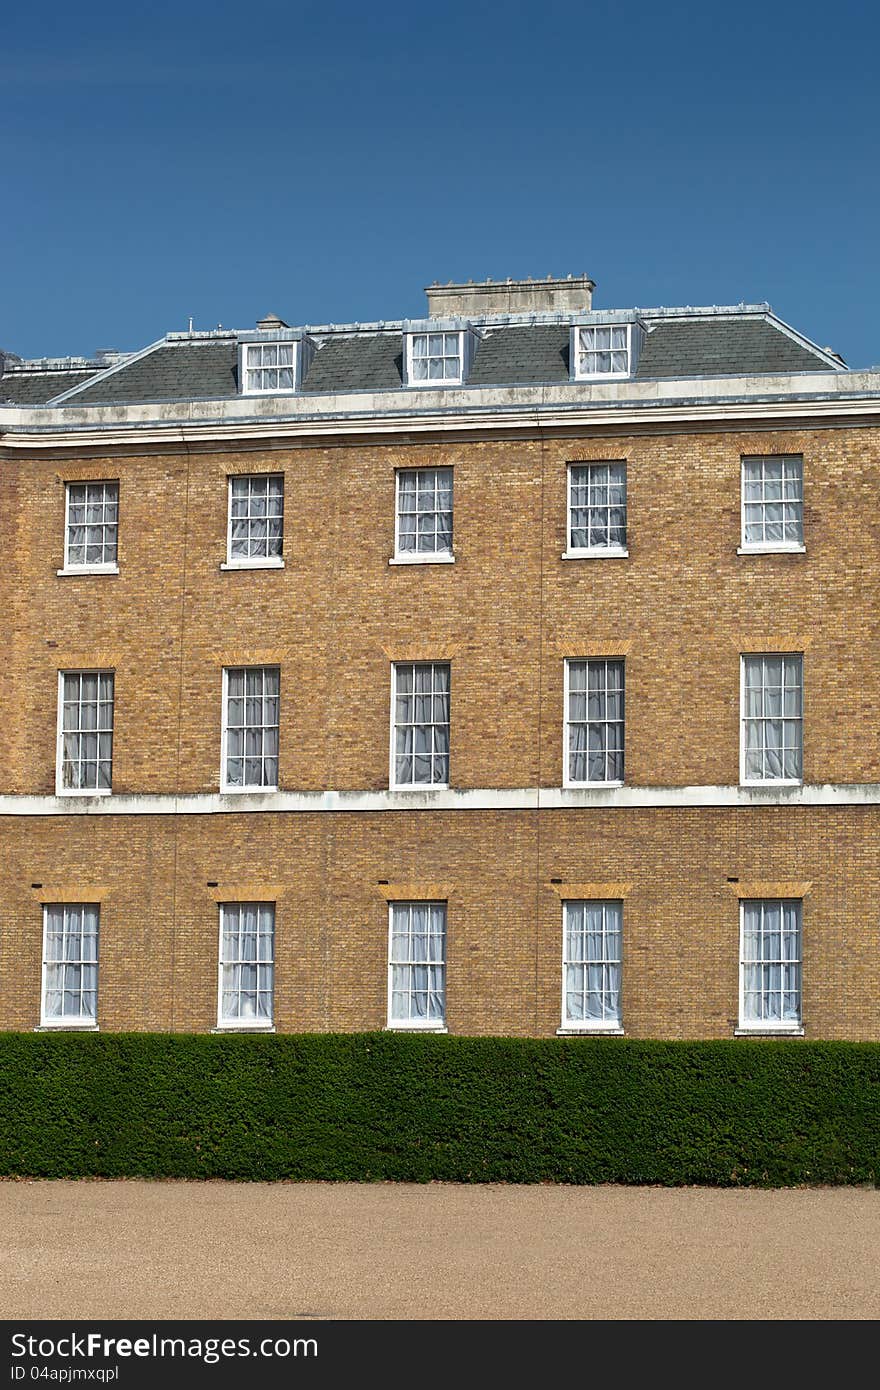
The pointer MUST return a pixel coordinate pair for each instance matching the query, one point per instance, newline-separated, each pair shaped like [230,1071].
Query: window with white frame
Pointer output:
[772,718]
[251,696]
[70,965]
[770,964]
[256,519]
[594,722]
[424,513]
[591,964]
[92,526]
[773,502]
[420,724]
[247,965]
[417,965]
[603,351]
[597,507]
[85,731]
[269,367]
[434,358]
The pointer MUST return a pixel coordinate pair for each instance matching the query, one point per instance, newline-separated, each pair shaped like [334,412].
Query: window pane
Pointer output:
[416,994]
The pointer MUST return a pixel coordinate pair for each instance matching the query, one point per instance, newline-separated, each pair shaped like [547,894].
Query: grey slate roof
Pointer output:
[711,344]
[357,363]
[534,355]
[175,371]
[694,347]
[35,388]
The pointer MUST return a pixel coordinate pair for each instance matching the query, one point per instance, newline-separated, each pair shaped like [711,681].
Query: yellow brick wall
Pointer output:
[159,917]
[682,608]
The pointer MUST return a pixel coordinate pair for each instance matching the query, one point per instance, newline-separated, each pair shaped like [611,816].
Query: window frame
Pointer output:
[227,788]
[767,781]
[438,383]
[105,567]
[418,787]
[250,1025]
[577,1026]
[295,367]
[79,1023]
[258,562]
[578,375]
[746,547]
[594,552]
[423,557]
[410,1025]
[567,780]
[60,789]
[785,1027]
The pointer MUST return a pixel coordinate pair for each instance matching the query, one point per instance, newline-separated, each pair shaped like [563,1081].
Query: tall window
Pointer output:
[770,963]
[417,966]
[773,502]
[247,965]
[256,519]
[92,529]
[250,728]
[434,357]
[269,366]
[424,513]
[70,964]
[85,731]
[772,718]
[597,507]
[594,697]
[602,351]
[420,735]
[591,964]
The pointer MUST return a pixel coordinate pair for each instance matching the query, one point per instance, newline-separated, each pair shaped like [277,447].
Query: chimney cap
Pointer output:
[270,321]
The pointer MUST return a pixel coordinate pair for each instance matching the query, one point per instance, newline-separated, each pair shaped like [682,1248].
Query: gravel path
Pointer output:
[312,1250]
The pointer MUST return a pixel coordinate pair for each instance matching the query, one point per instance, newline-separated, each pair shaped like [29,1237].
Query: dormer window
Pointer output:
[269,367]
[432,358]
[604,350]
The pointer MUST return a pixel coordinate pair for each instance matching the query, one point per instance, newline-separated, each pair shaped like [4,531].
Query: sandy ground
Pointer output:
[312,1250]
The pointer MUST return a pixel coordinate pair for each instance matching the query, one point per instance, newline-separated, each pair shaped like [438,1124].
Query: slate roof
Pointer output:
[175,371]
[701,347]
[709,343]
[370,362]
[36,387]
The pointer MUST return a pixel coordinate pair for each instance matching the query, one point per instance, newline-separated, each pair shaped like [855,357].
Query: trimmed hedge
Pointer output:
[364,1107]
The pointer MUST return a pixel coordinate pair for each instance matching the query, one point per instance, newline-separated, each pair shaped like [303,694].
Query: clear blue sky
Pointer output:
[326,161]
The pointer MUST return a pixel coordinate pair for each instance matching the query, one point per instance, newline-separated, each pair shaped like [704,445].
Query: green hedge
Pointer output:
[363,1107]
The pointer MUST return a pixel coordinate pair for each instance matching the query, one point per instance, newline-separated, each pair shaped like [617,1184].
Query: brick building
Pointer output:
[512,670]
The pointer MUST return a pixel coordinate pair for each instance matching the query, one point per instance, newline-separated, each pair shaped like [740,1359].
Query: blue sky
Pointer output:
[326,162]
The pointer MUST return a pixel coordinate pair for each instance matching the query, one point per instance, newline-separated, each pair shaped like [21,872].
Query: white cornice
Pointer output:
[471,799]
[653,415]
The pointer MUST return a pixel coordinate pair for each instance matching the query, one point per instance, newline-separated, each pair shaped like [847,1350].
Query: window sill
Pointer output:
[422,560]
[591,786]
[414,1028]
[773,782]
[247,791]
[436,383]
[66,1026]
[771,550]
[792,1032]
[244,1028]
[420,788]
[610,552]
[81,571]
[589,1032]
[271,564]
[83,791]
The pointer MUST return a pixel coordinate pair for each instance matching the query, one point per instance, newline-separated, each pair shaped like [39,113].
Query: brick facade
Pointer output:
[680,609]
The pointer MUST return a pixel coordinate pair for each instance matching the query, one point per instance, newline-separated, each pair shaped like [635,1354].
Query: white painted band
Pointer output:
[472,799]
